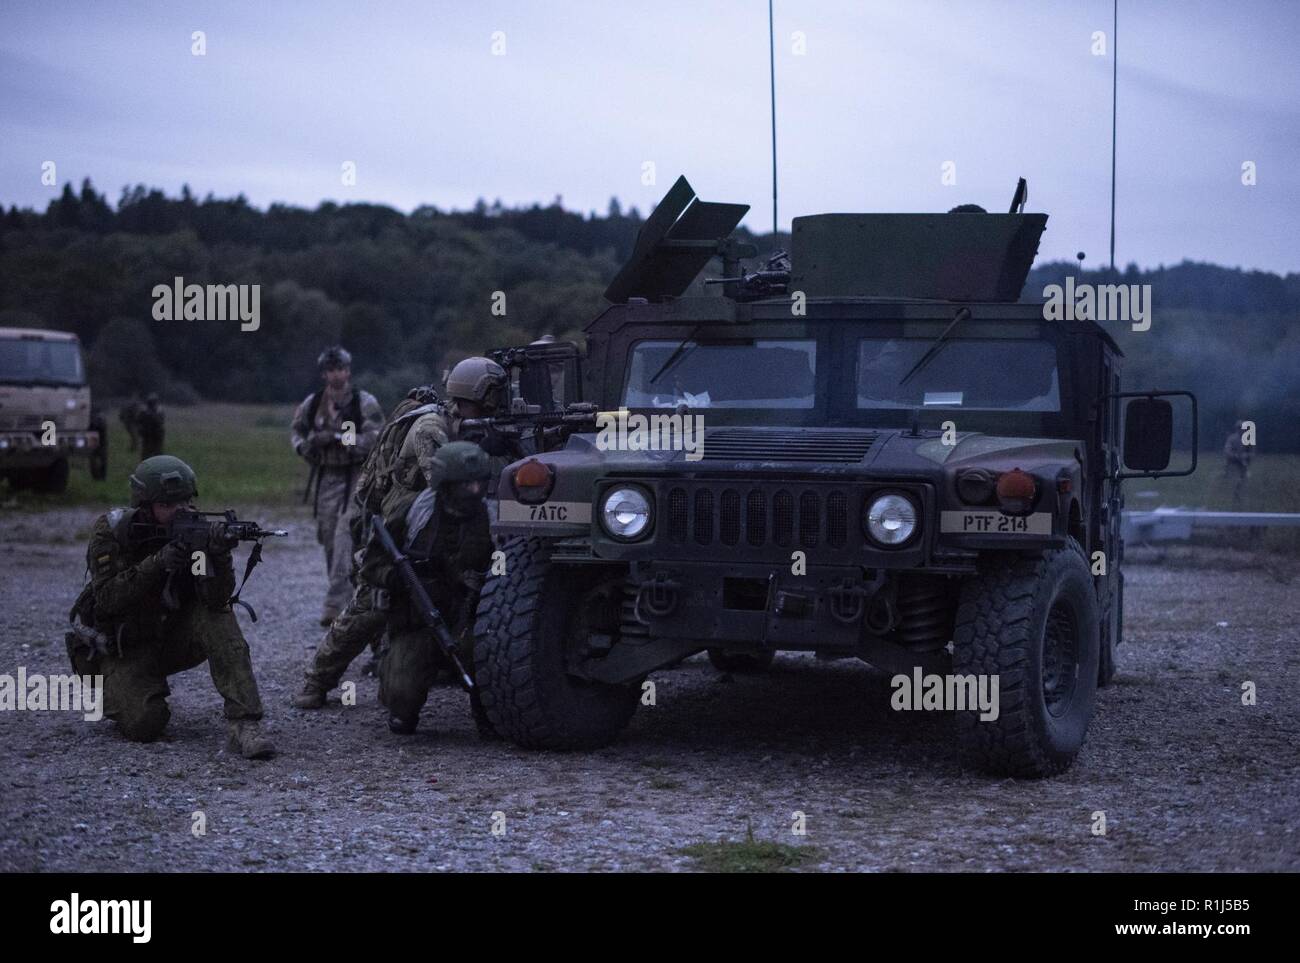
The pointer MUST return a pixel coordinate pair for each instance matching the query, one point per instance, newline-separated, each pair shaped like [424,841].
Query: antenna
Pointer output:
[1114,95]
[771,64]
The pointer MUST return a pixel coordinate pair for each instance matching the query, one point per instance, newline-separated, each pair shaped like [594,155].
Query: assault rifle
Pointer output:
[428,612]
[198,531]
[578,416]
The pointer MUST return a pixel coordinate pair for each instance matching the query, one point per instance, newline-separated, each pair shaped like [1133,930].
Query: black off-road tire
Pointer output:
[1001,630]
[519,659]
[54,479]
[741,662]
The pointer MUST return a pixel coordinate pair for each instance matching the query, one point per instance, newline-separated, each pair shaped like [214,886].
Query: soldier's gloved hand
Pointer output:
[173,556]
[321,439]
[494,442]
[220,538]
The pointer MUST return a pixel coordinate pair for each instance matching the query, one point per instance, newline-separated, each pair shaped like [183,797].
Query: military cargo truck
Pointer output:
[46,421]
[900,462]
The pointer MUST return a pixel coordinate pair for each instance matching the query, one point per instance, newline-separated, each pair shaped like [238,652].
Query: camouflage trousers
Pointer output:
[410,667]
[135,683]
[333,532]
[358,625]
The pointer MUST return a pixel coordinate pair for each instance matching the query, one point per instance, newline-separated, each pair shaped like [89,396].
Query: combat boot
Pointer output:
[312,696]
[400,726]
[247,739]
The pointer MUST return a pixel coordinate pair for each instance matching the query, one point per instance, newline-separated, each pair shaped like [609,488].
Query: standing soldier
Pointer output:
[158,617]
[149,423]
[444,531]
[334,430]
[419,427]
[1236,461]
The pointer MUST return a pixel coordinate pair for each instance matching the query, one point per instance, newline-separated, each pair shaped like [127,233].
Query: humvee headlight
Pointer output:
[891,520]
[625,513]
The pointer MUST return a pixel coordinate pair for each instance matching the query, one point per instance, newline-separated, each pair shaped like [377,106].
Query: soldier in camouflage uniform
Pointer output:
[334,430]
[158,618]
[476,387]
[444,530]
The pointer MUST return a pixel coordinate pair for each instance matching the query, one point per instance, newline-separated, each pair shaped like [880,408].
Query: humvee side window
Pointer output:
[756,373]
[32,360]
[968,373]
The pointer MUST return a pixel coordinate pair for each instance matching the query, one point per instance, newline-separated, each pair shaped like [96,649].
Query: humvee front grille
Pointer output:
[833,445]
[757,517]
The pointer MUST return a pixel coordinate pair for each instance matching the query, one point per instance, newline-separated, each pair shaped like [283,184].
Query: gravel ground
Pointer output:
[1188,777]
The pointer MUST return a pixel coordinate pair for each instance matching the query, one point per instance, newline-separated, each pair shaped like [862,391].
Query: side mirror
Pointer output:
[1148,434]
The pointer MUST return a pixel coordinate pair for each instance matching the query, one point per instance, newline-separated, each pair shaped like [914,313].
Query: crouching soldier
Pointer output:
[444,531]
[157,617]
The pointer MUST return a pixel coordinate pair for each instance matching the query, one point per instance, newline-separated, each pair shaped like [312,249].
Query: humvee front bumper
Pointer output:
[754,605]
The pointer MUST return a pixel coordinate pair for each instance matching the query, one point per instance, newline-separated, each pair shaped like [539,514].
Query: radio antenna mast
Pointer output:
[771,63]
[1114,94]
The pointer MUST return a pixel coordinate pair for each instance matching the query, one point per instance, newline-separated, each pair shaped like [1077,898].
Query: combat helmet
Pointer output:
[162,478]
[459,461]
[335,356]
[478,379]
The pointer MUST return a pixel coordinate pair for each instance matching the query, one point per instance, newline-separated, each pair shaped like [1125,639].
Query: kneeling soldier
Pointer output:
[444,531]
[160,618]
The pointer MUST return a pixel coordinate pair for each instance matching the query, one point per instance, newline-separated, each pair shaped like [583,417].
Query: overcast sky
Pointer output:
[588,91]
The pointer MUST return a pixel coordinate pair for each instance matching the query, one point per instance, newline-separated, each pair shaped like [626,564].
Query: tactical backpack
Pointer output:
[86,642]
[377,472]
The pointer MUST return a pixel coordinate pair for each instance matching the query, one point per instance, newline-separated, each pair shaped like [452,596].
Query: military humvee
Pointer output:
[46,419]
[899,462]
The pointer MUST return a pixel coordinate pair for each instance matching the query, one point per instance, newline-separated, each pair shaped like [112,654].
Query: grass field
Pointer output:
[240,453]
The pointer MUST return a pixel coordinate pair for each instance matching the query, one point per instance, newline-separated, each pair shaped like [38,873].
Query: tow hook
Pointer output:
[657,597]
[848,602]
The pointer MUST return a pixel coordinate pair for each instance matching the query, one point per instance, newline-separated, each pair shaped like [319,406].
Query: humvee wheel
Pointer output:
[1033,623]
[528,620]
[742,662]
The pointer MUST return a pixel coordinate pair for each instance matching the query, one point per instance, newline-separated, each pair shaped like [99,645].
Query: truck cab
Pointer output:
[46,421]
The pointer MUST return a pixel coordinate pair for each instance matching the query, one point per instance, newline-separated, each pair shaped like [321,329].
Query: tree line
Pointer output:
[410,293]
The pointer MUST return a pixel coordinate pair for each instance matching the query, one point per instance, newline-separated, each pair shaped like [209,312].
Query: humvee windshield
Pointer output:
[736,373]
[988,374]
[33,361]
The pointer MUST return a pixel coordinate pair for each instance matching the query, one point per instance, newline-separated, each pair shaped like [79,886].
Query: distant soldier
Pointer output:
[398,469]
[153,617]
[334,429]
[444,530]
[1236,457]
[149,425]
[127,413]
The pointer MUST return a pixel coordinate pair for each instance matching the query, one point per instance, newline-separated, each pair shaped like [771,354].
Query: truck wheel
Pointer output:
[1033,624]
[741,662]
[527,619]
[55,478]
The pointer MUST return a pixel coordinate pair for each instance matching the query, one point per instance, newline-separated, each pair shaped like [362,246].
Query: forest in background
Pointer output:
[410,293]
